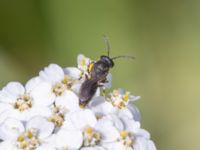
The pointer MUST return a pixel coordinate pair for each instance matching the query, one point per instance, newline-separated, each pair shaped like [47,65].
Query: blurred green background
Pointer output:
[164,36]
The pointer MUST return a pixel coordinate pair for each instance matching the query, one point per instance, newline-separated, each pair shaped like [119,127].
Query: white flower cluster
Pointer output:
[45,114]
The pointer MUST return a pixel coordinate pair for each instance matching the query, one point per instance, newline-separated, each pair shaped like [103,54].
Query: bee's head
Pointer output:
[107,60]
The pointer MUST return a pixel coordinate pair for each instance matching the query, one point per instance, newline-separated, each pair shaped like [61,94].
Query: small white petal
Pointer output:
[49,143]
[15,88]
[151,145]
[134,98]
[11,129]
[11,92]
[32,84]
[125,112]
[101,107]
[41,124]
[69,139]
[67,124]
[7,97]
[143,144]
[93,148]
[83,62]
[76,87]
[39,111]
[50,140]
[68,100]
[143,133]
[8,145]
[115,121]
[115,146]
[80,57]
[43,95]
[96,101]
[83,118]
[53,74]
[135,112]
[22,115]
[107,129]
[15,113]
[131,125]
[8,113]
[73,72]
[4,106]
[49,146]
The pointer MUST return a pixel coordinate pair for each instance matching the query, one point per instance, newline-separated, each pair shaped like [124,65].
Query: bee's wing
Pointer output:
[88,89]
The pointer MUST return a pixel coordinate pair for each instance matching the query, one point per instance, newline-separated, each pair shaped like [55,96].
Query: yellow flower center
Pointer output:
[119,100]
[60,87]
[123,134]
[126,138]
[23,102]
[126,96]
[58,117]
[91,137]
[119,103]
[28,140]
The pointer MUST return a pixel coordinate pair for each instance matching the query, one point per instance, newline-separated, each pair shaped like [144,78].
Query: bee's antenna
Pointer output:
[129,57]
[108,46]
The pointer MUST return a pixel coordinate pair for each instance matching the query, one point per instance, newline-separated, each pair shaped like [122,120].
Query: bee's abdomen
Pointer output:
[87,90]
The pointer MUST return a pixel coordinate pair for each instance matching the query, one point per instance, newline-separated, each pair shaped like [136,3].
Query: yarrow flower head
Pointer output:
[33,134]
[121,98]
[46,113]
[25,102]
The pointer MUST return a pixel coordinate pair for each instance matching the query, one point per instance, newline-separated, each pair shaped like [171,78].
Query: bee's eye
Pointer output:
[107,60]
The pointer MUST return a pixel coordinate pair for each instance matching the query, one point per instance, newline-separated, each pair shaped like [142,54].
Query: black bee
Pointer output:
[99,71]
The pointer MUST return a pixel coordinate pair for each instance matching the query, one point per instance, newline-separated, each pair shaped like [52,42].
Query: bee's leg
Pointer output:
[105,81]
[86,76]
[104,92]
[81,76]
[101,84]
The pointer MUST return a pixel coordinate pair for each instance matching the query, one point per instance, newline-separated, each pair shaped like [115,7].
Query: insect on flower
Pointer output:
[98,70]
